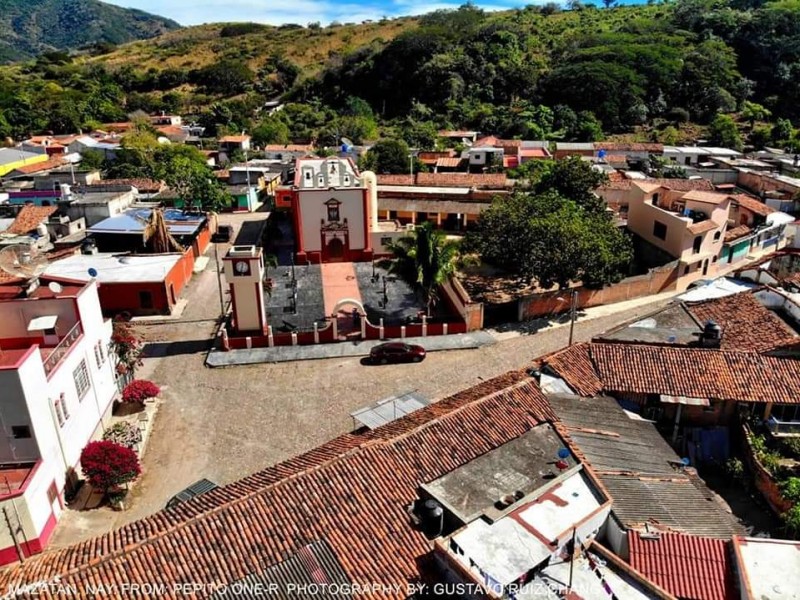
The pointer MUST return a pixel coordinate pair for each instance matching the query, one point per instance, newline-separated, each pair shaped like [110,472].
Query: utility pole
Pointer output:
[411,166]
[571,558]
[13,533]
[573,306]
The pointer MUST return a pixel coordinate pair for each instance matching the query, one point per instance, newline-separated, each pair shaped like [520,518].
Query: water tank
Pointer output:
[431,517]
[89,246]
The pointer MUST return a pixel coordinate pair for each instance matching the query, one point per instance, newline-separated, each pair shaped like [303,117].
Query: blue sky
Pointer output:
[194,12]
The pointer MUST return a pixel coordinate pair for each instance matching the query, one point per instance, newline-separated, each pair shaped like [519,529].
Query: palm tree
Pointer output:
[156,234]
[424,260]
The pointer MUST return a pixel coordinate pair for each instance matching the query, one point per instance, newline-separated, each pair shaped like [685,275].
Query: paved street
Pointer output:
[223,424]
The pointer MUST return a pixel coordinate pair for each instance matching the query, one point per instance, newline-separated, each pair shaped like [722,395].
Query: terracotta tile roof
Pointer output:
[30,217]
[617,181]
[617,176]
[234,139]
[288,148]
[575,366]
[702,226]
[478,180]
[351,492]
[736,233]
[451,162]
[697,373]
[747,325]
[534,153]
[38,167]
[145,186]
[707,197]
[510,162]
[753,205]
[628,147]
[687,566]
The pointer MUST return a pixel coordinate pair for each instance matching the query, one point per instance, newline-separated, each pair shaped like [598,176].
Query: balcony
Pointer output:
[780,428]
[62,349]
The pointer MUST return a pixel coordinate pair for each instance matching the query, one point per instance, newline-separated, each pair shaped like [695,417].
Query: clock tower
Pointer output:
[244,272]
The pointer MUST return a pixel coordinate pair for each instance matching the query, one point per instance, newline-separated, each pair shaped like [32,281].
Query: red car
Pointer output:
[396,352]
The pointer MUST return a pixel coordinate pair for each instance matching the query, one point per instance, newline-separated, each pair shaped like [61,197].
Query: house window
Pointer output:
[58,405]
[698,241]
[686,270]
[705,267]
[20,432]
[145,299]
[333,210]
[659,230]
[655,199]
[717,235]
[81,377]
[99,356]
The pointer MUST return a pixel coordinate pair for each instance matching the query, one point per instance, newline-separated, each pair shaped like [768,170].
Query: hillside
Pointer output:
[728,69]
[31,27]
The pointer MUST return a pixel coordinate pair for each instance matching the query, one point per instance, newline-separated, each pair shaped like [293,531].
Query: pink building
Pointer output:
[58,385]
[689,226]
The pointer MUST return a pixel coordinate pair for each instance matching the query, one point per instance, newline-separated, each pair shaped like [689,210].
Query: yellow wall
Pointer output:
[8,167]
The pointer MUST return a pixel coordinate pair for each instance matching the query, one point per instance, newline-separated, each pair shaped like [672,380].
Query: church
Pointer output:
[335,212]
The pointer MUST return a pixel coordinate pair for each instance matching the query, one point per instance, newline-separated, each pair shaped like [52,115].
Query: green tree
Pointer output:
[270,131]
[425,260]
[549,239]
[576,180]
[92,160]
[753,112]
[388,156]
[760,136]
[724,132]
[782,130]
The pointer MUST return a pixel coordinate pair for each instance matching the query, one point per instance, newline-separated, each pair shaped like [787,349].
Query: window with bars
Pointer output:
[81,377]
[99,355]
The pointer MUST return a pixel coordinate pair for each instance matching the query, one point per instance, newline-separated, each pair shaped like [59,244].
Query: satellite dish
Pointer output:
[466,141]
[92,272]
[22,261]
[347,142]
[55,287]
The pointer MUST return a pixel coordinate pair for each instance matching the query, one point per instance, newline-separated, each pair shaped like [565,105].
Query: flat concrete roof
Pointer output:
[114,268]
[524,465]
[769,568]
[511,546]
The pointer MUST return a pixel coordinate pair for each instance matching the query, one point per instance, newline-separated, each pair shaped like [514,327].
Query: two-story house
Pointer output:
[689,226]
[58,386]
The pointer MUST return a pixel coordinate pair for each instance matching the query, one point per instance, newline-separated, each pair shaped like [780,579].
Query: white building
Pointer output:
[58,384]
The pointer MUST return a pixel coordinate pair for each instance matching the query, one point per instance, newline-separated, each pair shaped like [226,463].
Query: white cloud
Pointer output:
[193,12]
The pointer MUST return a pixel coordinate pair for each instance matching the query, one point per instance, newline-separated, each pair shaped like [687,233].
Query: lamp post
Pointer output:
[219,281]
[573,306]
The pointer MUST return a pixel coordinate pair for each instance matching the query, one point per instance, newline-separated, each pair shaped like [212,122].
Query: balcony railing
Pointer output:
[788,428]
[63,347]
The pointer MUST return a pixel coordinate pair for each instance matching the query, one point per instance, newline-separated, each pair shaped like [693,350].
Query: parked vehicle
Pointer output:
[396,352]
[223,234]
[196,489]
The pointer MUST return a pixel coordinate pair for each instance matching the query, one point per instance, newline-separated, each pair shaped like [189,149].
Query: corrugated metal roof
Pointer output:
[688,566]
[635,464]
[313,571]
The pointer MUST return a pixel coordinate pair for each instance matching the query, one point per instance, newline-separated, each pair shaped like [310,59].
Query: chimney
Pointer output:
[711,336]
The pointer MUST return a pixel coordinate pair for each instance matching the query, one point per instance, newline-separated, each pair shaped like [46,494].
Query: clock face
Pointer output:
[241,267]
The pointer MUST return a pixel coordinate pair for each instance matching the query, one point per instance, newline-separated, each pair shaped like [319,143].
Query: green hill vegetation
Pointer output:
[728,69]
[31,27]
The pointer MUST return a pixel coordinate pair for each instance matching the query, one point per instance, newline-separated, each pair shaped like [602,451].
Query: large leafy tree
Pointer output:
[388,156]
[724,132]
[576,180]
[550,239]
[425,260]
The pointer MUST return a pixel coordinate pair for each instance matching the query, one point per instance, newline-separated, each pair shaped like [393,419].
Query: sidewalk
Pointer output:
[462,341]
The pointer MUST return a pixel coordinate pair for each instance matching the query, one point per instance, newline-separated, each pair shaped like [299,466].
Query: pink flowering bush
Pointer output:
[140,390]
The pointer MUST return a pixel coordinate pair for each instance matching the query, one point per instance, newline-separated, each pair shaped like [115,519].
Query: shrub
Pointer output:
[124,433]
[790,489]
[791,519]
[735,469]
[140,390]
[107,465]
[791,447]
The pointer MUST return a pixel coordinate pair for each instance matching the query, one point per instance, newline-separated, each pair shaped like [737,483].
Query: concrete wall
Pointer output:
[459,302]
[94,213]
[15,316]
